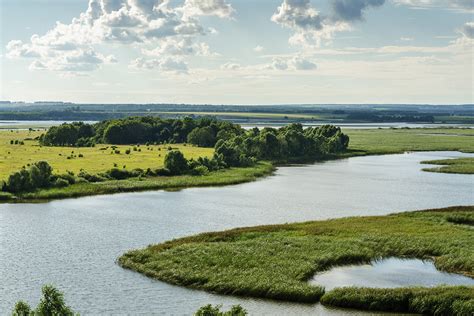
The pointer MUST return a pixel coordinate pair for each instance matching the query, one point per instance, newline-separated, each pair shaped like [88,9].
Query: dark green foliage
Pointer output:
[176,163]
[36,176]
[140,130]
[69,134]
[21,309]
[51,304]
[458,300]
[287,144]
[209,310]
[202,136]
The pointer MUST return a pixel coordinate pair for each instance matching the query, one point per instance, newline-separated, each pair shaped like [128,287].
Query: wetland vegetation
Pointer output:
[277,261]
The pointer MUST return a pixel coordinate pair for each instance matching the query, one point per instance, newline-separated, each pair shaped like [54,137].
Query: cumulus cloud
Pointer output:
[208,7]
[311,27]
[154,25]
[167,64]
[352,10]
[258,48]
[230,66]
[293,63]
[468,30]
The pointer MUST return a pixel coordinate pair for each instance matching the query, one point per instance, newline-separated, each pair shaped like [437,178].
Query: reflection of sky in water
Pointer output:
[389,273]
[74,243]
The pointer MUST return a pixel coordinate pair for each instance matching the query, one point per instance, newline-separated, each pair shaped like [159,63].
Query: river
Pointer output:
[74,243]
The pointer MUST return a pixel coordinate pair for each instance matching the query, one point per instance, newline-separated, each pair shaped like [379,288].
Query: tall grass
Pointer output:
[276,261]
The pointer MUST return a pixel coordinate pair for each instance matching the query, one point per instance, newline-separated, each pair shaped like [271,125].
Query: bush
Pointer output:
[176,163]
[35,177]
[90,177]
[60,183]
[209,310]
[51,304]
[199,171]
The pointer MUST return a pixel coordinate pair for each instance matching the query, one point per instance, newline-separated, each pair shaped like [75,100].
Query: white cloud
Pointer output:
[293,63]
[167,64]
[258,48]
[450,4]
[230,66]
[468,30]
[169,30]
[218,8]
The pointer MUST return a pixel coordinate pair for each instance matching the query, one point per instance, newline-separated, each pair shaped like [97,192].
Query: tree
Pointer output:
[202,136]
[209,310]
[51,304]
[176,163]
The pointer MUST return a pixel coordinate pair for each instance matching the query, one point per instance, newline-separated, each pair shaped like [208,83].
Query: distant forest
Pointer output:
[277,114]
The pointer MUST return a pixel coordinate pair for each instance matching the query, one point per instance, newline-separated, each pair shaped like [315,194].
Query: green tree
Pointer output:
[176,163]
[202,136]
[209,310]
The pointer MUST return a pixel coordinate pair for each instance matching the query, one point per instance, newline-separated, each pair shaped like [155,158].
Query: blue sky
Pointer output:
[237,51]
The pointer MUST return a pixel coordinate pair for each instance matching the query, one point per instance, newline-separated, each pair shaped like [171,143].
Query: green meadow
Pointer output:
[94,160]
[276,261]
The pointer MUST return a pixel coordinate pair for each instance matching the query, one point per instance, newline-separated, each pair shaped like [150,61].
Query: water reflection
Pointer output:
[389,273]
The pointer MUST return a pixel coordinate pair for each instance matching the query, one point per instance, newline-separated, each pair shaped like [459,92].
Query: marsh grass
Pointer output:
[456,165]
[453,300]
[277,261]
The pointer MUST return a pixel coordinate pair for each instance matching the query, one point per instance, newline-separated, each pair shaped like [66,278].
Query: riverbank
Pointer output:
[362,143]
[277,261]
[458,165]
[217,178]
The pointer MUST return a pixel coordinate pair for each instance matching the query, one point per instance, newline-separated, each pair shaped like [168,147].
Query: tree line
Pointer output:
[234,147]
[203,132]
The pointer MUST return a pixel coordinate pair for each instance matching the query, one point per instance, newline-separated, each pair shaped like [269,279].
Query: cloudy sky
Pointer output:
[237,51]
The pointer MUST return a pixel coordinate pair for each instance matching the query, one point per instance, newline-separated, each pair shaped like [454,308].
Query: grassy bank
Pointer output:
[453,300]
[216,178]
[99,159]
[392,141]
[277,261]
[458,165]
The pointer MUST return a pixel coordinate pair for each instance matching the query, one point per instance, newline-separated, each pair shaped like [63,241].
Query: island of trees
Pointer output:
[233,147]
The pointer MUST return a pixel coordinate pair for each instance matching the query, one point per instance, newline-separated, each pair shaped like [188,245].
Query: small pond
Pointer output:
[389,273]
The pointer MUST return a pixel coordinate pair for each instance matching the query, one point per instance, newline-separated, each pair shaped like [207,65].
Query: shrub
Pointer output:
[61,183]
[176,163]
[209,310]
[51,304]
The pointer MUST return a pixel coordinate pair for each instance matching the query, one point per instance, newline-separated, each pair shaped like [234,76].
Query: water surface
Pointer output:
[389,273]
[74,243]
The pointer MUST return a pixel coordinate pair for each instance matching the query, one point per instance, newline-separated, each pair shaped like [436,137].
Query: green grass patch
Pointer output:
[277,261]
[393,141]
[216,178]
[94,160]
[456,165]
[453,300]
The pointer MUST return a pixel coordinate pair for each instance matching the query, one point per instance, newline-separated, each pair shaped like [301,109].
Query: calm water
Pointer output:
[74,243]
[389,273]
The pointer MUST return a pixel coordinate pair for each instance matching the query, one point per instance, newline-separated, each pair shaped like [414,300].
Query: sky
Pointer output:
[237,51]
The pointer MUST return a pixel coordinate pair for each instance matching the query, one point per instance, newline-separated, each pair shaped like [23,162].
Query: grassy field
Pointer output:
[103,157]
[457,165]
[95,159]
[216,178]
[390,141]
[277,261]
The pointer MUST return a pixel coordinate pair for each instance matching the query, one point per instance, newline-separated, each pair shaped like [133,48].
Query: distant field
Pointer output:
[94,160]
[386,141]
[255,115]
